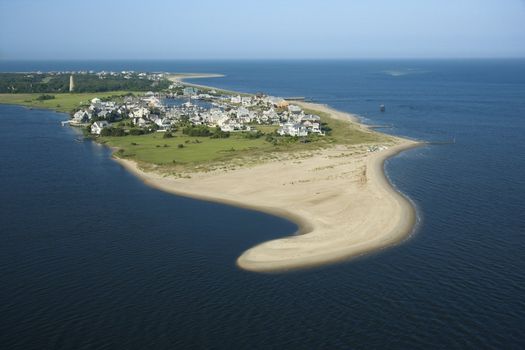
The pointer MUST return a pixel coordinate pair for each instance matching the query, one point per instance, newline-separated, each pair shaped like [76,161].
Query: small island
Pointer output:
[309,163]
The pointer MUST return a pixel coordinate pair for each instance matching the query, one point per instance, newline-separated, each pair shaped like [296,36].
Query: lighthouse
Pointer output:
[71,83]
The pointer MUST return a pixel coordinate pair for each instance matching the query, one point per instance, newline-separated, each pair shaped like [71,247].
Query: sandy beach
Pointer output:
[181,78]
[339,197]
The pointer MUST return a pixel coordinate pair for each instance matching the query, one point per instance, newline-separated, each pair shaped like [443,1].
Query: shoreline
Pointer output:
[256,258]
[338,216]
[376,215]
[403,229]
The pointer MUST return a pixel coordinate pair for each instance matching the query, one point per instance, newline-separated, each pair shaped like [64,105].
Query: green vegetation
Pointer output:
[197,130]
[204,131]
[252,135]
[112,132]
[56,83]
[67,102]
[45,97]
[184,149]
[266,129]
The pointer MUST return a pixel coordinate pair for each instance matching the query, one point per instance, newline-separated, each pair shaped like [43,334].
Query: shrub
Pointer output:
[253,135]
[112,132]
[325,128]
[45,97]
[219,134]
[199,130]
[135,131]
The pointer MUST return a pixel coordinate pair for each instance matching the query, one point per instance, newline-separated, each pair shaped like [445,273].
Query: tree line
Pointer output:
[49,83]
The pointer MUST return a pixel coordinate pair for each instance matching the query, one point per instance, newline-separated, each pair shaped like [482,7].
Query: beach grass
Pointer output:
[346,133]
[182,149]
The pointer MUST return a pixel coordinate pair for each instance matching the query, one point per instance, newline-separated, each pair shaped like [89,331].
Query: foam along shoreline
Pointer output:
[339,197]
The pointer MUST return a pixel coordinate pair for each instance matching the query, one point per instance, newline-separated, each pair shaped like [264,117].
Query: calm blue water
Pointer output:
[92,258]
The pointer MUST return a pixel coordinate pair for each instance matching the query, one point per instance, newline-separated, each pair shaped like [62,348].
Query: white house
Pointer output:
[223,120]
[103,114]
[276,101]
[163,123]
[243,114]
[97,126]
[236,99]
[152,101]
[294,109]
[292,130]
[227,127]
[81,117]
[139,121]
[311,118]
[140,112]
[316,128]
[246,101]
[96,103]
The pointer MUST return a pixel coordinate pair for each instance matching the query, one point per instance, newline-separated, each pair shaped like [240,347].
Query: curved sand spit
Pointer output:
[339,197]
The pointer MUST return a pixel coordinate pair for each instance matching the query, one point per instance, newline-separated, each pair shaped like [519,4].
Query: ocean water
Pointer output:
[92,258]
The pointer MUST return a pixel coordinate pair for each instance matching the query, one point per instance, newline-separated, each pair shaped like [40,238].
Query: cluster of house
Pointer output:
[130,74]
[105,74]
[240,113]
[138,110]
[100,110]
[229,113]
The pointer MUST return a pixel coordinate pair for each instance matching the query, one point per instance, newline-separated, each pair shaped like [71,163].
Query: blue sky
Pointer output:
[113,29]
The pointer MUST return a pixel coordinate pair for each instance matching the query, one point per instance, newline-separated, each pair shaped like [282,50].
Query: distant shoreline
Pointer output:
[340,212]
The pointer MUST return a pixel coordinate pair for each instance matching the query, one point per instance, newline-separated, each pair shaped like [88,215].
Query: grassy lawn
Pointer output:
[153,148]
[63,102]
[267,129]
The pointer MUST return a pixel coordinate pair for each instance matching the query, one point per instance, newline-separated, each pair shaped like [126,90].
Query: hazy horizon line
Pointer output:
[266,59]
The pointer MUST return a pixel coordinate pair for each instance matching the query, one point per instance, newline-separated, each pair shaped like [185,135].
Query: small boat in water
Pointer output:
[382,108]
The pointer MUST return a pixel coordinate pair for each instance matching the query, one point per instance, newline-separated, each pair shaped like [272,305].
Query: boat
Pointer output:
[382,108]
